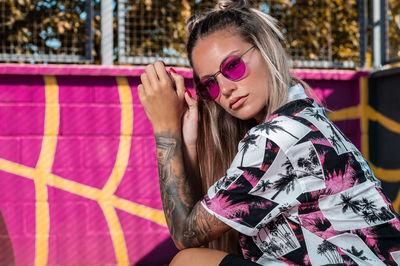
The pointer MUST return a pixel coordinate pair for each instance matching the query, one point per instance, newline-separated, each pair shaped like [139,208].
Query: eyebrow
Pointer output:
[210,75]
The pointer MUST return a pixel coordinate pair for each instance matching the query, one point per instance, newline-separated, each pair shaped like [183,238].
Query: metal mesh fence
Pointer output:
[45,31]
[321,33]
[393,31]
[151,30]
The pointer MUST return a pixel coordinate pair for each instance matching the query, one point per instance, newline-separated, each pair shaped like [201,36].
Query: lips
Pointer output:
[237,102]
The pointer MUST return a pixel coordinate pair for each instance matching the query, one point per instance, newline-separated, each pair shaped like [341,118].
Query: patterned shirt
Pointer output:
[300,193]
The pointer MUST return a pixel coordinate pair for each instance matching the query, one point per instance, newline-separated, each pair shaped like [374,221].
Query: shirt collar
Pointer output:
[296,92]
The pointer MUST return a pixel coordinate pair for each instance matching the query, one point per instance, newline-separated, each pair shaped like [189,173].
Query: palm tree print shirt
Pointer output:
[300,193]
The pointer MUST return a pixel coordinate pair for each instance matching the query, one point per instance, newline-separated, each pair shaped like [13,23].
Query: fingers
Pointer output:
[161,71]
[141,94]
[145,83]
[152,76]
[180,85]
[191,102]
[156,77]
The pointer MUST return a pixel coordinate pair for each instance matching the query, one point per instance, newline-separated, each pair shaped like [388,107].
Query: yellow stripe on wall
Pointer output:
[388,123]
[86,191]
[43,168]
[116,233]
[121,163]
[124,147]
[396,203]
[366,113]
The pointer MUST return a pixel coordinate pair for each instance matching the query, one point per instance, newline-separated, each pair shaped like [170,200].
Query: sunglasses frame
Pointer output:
[203,93]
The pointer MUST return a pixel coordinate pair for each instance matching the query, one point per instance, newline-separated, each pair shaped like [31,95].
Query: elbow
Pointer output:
[185,238]
[182,243]
[180,246]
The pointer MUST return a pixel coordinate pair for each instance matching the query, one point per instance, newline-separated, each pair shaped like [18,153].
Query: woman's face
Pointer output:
[245,98]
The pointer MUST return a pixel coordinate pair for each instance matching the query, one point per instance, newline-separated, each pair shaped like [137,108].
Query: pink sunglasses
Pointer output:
[232,67]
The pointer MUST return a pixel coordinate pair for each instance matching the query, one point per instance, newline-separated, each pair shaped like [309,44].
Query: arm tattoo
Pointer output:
[189,223]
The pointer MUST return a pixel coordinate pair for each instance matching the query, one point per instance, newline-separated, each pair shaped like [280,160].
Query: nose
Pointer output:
[226,86]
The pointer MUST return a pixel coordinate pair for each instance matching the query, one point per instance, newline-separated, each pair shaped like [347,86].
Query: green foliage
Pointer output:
[394,29]
[156,28]
[42,27]
[315,30]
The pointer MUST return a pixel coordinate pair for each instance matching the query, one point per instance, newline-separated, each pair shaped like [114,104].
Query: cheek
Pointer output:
[261,73]
[262,85]
[224,106]
[259,86]
[264,94]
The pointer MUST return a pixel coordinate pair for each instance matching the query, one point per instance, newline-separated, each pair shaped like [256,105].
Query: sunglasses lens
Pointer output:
[233,67]
[210,89]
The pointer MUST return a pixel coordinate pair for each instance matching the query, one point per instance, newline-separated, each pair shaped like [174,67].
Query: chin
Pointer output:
[243,116]
[249,114]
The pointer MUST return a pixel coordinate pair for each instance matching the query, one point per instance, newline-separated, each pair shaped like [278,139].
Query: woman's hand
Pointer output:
[190,225]
[190,122]
[163,105]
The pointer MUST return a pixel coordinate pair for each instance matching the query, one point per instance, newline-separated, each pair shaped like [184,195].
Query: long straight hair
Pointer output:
[219,132]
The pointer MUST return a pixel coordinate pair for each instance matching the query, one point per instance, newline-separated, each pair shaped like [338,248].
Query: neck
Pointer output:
[260,117]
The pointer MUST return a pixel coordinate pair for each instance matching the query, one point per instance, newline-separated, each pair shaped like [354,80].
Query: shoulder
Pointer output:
[283,130]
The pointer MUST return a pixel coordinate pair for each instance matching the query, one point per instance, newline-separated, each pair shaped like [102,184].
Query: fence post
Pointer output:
[362,22]
[106,32]
[89,30]
[376,34]
[384,36]
[379,9]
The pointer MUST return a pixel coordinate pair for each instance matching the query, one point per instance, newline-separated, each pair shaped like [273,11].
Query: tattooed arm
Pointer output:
[189,223]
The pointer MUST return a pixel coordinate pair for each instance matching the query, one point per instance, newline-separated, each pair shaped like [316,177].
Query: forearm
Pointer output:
[189,223]
[179,193]
[192,169]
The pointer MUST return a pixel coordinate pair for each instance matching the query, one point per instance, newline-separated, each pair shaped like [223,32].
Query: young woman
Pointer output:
[274,168]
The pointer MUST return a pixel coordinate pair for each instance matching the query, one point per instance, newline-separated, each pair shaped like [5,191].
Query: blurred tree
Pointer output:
[394,29]
[155,27]
[43,27]
[324,30]
[316,30]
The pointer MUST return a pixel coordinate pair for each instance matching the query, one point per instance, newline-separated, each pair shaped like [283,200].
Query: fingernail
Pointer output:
[172,70]
[188,92]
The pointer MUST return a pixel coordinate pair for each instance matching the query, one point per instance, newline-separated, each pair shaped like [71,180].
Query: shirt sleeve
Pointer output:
[255,187]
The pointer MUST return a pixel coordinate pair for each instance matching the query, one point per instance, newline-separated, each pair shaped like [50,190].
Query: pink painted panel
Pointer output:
[68,153]
[15,122]
[86,151]
[140,185]
[30,150]
[10,149]
[141,125]
[24,89]
[337,94]
[147,243]
[79,230]
[133,83]
[89,120]
[17,197]
[76,90]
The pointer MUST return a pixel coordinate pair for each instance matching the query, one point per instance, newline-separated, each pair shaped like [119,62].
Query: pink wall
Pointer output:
[78,173]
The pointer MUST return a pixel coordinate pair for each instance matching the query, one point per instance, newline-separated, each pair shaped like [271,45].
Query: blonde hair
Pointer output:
[219,132]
